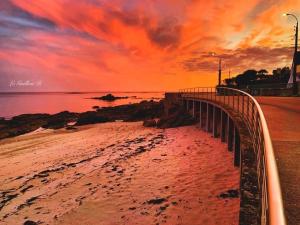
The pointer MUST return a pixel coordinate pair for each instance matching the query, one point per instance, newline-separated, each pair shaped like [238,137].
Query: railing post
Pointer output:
[238,102]
[248,102]
[230,133]
[207,117]
[193,113]
[223,126]
[200,116]
[233,101]
[215,122]
[237,151]
[253,116]
[243,105]
[187,105]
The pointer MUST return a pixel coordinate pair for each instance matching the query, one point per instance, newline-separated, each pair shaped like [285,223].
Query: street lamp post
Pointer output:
[295,88]
[220,68]
[220,71]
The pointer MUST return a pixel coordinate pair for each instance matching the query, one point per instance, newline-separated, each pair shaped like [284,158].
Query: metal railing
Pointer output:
[272,211]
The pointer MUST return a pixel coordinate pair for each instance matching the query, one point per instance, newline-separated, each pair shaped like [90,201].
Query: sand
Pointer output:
[117,173]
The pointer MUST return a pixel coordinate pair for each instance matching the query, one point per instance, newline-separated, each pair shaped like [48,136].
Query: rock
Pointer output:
[28,202]
[178,117]
[162,208]
[91,118]
[230,194]
[109,97]
[149,123]
[2,120]
[26,189]
[95,107]
[71,128]
[29,122]
[30,222]
[145,110]
[140,149]
[60,120]
[156,201]
[6,199]
[22,124]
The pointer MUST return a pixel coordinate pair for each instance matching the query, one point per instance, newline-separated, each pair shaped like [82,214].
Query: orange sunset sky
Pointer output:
[139,45]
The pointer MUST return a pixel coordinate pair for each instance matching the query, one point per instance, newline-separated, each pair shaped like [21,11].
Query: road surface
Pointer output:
[283,118]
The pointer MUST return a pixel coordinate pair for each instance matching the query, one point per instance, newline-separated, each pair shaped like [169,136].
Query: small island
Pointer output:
[110,97]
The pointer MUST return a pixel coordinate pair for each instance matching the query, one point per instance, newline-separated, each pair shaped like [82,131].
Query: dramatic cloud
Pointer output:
[166,34]
[139,45]
[239,59]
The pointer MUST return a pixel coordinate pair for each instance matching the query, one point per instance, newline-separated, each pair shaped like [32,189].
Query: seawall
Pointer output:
[225,124]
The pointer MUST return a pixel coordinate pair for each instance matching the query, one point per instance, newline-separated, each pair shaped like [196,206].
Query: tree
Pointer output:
[229,82]
[246,77]
[262,72]
[261,77]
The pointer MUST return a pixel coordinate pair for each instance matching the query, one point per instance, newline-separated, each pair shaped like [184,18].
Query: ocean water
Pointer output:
[13,104]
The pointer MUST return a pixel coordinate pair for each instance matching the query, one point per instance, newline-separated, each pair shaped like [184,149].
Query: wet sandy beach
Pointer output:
[117,173]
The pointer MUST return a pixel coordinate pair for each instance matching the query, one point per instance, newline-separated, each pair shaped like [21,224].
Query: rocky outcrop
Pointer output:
[133,112]
[30,222]
[91,118]
[22,124]
[145,111]
[176,117]
[149,123]
[60,120]
[29,122]
[110,97]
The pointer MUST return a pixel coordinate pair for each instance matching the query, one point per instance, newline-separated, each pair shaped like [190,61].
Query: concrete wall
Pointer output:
[270,91]
[172,100]
[273,91]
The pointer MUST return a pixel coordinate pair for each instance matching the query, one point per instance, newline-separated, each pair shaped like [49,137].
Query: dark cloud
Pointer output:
[166,34]
[199,64]
[14,24]
[254,57]
[15,16]
[130,18]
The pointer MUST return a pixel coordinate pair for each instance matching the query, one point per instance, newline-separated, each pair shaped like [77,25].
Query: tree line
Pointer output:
[260,77]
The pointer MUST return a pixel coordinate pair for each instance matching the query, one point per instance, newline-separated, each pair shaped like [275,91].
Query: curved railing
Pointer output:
[272,211]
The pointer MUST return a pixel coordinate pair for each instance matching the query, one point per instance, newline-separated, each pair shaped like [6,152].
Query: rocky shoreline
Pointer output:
[151,112]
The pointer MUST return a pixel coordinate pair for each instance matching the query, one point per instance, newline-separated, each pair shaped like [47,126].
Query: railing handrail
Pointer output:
[274,195]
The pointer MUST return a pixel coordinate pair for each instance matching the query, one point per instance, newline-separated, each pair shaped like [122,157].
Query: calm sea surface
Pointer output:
[13,104]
